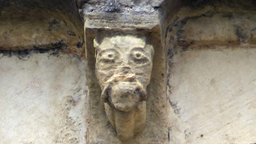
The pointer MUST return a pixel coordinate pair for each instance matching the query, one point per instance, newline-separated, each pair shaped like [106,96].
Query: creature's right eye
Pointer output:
[108,56]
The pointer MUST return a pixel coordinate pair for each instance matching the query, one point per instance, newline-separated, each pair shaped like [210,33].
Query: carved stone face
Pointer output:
[123,69]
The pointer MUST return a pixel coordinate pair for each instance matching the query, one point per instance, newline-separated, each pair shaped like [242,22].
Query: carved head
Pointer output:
[123,68]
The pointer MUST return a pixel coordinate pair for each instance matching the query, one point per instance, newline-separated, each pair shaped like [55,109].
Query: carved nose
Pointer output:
[125,70]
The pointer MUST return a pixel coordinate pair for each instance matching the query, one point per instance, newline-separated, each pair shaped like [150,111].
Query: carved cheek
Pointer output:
[142,76]
[142,65]
[104,75]
[106,63]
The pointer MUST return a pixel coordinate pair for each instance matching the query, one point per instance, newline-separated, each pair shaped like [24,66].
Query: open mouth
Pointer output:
[124,96]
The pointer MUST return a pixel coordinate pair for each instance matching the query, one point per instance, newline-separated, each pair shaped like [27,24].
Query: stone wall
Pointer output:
[43,92]
[43,99]
[202,83]
[211,55]
[40,25]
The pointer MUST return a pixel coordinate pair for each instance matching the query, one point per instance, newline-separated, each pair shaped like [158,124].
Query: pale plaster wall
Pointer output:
[212,93]
[211,72]
[210,90]
[42,99]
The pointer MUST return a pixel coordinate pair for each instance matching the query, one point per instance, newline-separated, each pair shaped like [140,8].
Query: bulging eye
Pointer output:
[139,57]
[108,56]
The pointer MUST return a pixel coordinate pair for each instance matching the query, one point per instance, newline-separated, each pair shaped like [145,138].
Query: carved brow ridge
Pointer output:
[113,49]
[138,49]
[106,50]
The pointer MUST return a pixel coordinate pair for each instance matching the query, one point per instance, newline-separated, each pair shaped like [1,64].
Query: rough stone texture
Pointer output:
[143,6]
[121,14]
[211,54]
[42,99]
[156,130]
[42,90]
[35,24]
[123,69]
[123,5]
[213,95]
[210,25]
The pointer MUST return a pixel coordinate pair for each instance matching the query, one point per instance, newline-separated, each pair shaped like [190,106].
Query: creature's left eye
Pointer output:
[139,57]
[108,56]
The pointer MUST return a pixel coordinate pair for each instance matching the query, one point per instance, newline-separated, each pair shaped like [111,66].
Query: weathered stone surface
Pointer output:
[211,54]
[121,14]
[124,5]
[123,68]
[212,93]
[213,26]
[100,129]
[35,24]
[42,99]
[42,94]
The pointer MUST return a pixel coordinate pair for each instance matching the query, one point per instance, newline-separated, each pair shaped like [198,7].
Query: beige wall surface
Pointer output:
[42,99]
[211,77]
[211,72]
[212,93]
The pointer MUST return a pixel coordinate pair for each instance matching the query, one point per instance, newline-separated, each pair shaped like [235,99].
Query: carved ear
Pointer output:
[152,49]
[95,44]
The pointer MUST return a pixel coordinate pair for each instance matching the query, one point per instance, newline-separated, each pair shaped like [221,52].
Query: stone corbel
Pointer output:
[123,69]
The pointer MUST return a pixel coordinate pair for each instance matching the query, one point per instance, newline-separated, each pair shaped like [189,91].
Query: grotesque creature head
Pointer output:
[123,69]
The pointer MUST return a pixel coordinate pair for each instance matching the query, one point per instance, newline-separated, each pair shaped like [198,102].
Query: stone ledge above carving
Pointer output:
[121,14]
